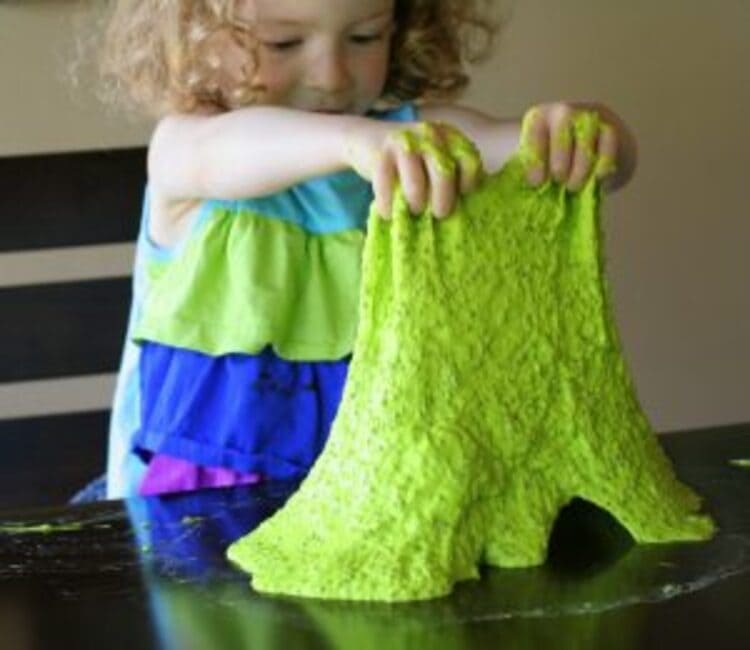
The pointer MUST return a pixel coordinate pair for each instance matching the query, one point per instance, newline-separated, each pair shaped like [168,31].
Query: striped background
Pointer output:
[69,222]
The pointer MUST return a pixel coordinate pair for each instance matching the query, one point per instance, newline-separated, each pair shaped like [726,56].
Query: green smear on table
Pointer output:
[41,529]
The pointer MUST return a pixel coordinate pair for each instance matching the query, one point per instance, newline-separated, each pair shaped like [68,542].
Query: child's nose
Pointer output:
[330,70]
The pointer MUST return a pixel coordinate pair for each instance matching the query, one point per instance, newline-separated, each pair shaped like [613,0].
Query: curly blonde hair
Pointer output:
[156,55]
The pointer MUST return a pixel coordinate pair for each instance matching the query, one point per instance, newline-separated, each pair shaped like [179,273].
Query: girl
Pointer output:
[279,123]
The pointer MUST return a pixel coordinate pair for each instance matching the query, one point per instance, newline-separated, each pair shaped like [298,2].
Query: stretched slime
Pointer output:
[487,389]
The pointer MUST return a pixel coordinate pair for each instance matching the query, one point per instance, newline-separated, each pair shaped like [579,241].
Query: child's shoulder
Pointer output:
[170,217]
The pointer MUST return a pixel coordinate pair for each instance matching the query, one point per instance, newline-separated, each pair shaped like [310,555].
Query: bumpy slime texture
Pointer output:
[487,389]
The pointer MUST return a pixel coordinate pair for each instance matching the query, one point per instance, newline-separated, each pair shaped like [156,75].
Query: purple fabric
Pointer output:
[167,474]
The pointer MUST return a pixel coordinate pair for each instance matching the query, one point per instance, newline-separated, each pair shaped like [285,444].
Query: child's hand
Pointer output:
[552,147]
[432,161]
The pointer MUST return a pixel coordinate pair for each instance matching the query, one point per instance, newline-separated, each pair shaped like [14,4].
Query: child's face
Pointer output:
[322,55]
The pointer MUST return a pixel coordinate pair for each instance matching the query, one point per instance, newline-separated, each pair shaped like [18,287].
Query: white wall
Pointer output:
[678,235]
[40,111]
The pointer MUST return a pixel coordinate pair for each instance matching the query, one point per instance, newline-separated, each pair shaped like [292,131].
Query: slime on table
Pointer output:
[487,390]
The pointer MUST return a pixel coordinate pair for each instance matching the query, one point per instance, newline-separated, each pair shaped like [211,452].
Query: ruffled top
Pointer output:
[281,270]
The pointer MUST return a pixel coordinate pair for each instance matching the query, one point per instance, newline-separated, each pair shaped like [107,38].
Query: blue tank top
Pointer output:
[242,406]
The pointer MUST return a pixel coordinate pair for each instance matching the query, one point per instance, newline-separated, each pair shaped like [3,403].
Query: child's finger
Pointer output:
[534,146]
[411,173]
[470,168]
[442,186]
[383,182]
[441,169]
[583,161]
[560,142]
[606,151]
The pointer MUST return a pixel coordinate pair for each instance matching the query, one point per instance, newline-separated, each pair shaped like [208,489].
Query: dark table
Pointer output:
[150,573]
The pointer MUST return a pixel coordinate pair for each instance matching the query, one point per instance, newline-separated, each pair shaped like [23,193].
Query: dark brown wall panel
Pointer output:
[55,330]
[71,199]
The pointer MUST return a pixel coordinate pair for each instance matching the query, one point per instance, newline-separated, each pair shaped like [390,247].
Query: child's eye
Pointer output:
[282,45]
[363,39]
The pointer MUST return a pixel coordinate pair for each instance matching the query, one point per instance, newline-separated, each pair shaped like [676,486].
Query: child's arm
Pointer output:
[544,125]
[249,152]
[259,150]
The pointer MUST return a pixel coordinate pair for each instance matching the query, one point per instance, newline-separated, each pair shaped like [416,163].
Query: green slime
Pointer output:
[42,529]
[487,389]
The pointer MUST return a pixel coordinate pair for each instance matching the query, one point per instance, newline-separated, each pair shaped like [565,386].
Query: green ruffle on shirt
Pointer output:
[486,391]
[245,281]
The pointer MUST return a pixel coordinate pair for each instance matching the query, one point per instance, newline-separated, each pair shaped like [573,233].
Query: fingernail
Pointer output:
[535,176]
